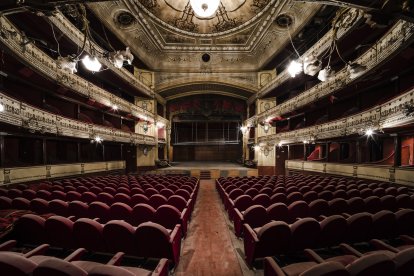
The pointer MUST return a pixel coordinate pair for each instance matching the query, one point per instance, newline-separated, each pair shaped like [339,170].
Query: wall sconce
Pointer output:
[160,125]
[145,127]
[1,107]
[145,149]
[265,148]
[96,139]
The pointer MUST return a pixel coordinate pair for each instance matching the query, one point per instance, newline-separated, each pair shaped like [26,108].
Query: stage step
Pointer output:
[205,175]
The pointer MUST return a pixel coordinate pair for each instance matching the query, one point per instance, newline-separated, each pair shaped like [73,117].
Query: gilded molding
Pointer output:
[66,27]
[36,120]
[389,45]
[317,49]
[387,115]
[45,65]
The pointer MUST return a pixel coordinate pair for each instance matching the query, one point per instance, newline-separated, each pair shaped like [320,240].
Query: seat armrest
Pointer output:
[5,246]
[345,215]
[76,255]
[272,268]
[176,232]
[238,220]
[350,250]
[161,269]
[116,259]
[249,232]
[383,246]
[313,256]
[407,239]
[40,250]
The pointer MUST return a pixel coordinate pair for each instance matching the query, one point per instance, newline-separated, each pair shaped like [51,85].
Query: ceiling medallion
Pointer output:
[284,20]
[204,8]
[125,19]
[205,57]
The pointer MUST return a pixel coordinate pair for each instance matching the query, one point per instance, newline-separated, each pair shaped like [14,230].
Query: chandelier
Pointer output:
[204,8]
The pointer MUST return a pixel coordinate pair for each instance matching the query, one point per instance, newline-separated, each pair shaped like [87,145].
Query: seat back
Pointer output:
[12,264]
[167,216]
[298,209]
[59,231]
[88,233]
[99,210]
[278,211]
[119,237]
[142,213]
[255,216]
[153,240]
[120,211]
[178,202]
[333,230]
[30,229]
[243,202]
[274,238]
[326,269]
[305,233]
[58,267]
[359,227]
[376,264]
[404,262]
[157,200]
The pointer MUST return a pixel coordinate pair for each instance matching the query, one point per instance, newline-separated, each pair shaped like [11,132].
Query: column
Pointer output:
[397,150]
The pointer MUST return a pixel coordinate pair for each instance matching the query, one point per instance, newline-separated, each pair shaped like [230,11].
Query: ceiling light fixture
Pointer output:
[67,64]
[326,74]
[311,65]
[369,132]
[204,8]
[91,63]
[119,57]
[114,107]
[356,70]
[295,68]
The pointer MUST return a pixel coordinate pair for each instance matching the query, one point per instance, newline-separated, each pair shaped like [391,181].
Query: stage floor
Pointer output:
[205,165]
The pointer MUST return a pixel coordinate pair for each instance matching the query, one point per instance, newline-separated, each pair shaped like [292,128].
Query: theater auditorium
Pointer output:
[207,137]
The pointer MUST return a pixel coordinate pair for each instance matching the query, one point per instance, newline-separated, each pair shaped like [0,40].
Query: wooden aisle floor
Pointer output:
[208,249]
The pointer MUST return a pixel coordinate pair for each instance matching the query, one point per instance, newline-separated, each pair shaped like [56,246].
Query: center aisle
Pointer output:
[208,249]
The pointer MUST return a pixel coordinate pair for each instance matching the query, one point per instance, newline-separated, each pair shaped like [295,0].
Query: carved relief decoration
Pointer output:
[388,115]
[396,39]
[36,120]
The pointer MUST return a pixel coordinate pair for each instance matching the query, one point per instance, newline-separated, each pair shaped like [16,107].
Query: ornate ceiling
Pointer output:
[168,37]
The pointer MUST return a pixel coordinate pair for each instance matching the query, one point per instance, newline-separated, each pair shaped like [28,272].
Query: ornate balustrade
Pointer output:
[397,38]
[390,114]
[36,120]
[398,175]
[351,19]
[46,66]
[33,173]
[77,37]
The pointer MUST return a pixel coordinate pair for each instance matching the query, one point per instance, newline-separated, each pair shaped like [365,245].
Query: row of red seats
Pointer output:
[381,259]
[167,215]
[148,240]
[278,237]
[155,200]
[258,215]
[35,263]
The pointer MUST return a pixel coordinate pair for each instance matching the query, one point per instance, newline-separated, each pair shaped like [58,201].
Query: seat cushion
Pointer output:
[297,268]
[344,259]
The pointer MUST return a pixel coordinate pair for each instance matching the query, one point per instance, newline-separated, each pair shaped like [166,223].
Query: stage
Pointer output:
[208,169]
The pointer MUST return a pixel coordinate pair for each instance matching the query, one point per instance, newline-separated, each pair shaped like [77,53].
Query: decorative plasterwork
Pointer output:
[76,36]
[205,88]
[317,49]
[24,174]
[36,120]
[400,175]
[389,45]
[245,81]
[164,47]
[46,66]
[388,115]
